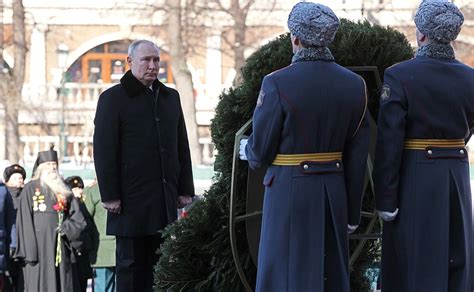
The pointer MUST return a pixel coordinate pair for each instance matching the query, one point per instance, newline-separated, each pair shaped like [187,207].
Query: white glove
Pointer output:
[387,216]
[242,154]
[351,228]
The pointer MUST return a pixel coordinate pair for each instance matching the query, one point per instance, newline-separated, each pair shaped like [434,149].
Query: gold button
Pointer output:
[338,165]
[461,151]
[305,166]
[430,152]
[451,261]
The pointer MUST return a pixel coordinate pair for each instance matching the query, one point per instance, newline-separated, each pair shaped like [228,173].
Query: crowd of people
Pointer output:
[52,231]
[57,234]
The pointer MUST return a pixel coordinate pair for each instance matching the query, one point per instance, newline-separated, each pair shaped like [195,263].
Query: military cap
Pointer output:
[14,168]
[439,20]
[74,182]
[313,23]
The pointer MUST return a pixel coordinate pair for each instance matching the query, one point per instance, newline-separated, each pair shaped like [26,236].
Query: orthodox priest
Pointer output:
[49,220]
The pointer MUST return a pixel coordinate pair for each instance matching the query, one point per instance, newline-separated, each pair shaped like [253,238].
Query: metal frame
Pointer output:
[233,219]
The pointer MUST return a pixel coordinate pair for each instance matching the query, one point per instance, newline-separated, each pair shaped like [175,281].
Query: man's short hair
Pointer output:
[134,45]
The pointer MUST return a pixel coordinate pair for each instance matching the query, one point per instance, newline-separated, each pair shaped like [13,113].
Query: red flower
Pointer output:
[60,206]
[184,214]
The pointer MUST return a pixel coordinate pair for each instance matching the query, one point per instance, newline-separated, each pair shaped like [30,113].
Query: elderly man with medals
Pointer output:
[48,220]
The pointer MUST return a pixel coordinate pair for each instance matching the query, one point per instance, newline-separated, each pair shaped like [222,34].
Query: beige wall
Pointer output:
[93,23]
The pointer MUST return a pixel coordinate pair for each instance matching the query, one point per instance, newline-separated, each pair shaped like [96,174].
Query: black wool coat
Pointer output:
[141,155]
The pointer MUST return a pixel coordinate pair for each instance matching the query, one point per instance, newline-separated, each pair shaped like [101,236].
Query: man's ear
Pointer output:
[420,37]
[129,61]
[296,41]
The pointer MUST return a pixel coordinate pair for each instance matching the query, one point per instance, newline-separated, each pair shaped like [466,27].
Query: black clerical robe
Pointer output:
[37,229]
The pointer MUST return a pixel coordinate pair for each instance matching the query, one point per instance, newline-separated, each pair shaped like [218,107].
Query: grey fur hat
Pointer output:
[439,20]
[314,24]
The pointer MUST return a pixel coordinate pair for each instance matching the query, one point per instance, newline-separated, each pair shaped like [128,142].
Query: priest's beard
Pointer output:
[51,179]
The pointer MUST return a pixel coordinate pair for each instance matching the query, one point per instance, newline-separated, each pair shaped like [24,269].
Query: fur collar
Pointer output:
[133,87]
[313,54]
[435,50]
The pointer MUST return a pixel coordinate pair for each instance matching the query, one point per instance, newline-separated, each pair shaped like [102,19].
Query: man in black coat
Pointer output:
[88,242]
[143,164]
[14,178]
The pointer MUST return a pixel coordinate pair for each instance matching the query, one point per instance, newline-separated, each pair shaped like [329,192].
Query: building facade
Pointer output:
[77,49]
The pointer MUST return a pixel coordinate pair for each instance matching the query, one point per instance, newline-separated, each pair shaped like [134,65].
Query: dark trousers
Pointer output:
[15,281]
[135,259]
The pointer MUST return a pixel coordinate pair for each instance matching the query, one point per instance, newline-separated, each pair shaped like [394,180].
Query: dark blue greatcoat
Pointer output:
[7,227]
[309,107]
[427,247]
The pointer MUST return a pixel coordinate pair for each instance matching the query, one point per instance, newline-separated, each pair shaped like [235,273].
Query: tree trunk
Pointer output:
[182,77]
[13,84]
[1,39]
[240,44]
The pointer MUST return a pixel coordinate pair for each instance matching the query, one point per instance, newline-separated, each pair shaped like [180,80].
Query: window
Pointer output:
[107,63]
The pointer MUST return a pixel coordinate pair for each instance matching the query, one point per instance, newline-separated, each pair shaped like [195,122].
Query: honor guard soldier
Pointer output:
[422,182]
[310,129]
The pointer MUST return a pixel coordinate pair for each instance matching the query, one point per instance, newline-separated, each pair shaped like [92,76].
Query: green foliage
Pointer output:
[363,44]
[196,254]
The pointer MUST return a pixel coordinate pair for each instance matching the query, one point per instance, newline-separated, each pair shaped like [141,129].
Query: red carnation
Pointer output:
[60,206]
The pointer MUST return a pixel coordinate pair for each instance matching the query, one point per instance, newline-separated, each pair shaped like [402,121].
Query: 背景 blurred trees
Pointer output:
[11,79]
